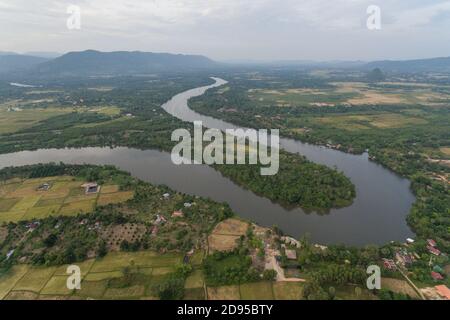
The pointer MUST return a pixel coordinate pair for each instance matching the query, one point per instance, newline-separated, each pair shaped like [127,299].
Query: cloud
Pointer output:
[225,28]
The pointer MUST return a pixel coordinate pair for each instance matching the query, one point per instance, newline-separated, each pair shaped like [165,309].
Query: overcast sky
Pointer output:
[232,29]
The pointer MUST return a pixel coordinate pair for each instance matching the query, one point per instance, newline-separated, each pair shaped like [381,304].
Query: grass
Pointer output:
[84,266]
[25,203]
[7,204]
[11,216]
[349,292]
[8,281]
[41,212]
[225,235]
[35,279]
[22,295]
[6,188]
[162,271]
[446,151]
[49,202]
[57,285]
[194,294]
[74,208]
[288,290]
[256,291]
[233,227]
[224,293]
[109,189]
[14,121]
[195,280]
[113,198]
[99,276]
[21,200]
[118,260]
[397,285]
[125,293]
[218,242]
[92,289]
[368,121]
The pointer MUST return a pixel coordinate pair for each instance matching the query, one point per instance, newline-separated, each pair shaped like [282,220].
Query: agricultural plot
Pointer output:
[397,285]
[13,121]
[288,291]
[353,94]
[224,293]
[51,282]
[256,291]
[103,279]
[225,235]
[369,121]
[300,97]
[25,200]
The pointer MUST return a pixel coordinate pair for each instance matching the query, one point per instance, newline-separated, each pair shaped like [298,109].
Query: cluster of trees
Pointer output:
[226,268]
[299,182]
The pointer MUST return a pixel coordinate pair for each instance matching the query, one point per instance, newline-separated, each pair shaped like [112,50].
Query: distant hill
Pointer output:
[7,53]
[43,54]
[411,66]
[17,62]
[122,62]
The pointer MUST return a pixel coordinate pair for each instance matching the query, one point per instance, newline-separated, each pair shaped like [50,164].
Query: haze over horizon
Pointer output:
[234,29]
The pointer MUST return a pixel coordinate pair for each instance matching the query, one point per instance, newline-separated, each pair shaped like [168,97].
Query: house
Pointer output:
[389,264]
[443,291]
[32,226]
[291,241]
[432,243]
[160,220]
[91,187]
[9,254]
[178,214]
[291,254]
[155,230]
[436,276]
[44,187]
[404,258]
[187,205]
[433,250]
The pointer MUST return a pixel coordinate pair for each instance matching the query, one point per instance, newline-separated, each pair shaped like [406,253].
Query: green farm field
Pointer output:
[21,200]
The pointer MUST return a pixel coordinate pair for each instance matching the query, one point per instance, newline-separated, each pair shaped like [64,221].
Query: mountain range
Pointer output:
[96,63]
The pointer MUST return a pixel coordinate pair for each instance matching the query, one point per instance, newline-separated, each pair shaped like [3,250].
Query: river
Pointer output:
[378,214]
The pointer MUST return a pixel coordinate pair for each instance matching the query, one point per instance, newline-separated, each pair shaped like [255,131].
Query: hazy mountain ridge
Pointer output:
[121,62]
[417,65]
[17,62]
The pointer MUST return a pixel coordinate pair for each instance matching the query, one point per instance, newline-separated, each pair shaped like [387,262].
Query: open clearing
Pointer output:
[224,293]
[225,235]
[256,291]
[288,290]
[401,286]
[22,200]
[13,121]
[446,151]
[370,121]
[353,93]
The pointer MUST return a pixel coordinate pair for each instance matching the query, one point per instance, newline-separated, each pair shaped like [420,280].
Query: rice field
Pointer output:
[25,282]
[24,200]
